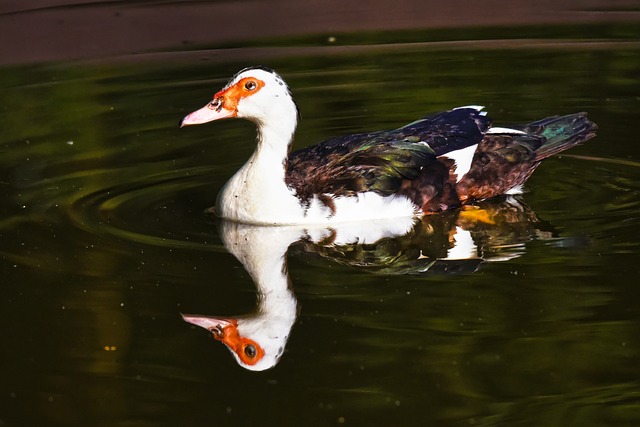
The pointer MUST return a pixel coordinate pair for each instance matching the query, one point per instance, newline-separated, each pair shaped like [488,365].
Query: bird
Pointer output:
[442,161]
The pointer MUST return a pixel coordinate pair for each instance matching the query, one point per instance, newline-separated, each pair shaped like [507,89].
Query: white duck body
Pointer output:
[257,194]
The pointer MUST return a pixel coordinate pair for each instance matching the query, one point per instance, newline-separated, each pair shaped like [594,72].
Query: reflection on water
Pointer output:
[454,242]
[103,243]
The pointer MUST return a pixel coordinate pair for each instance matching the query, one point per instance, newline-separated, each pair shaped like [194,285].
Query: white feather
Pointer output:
[463,159]
[363,206]
[509,131]
[475,107]
[518,189]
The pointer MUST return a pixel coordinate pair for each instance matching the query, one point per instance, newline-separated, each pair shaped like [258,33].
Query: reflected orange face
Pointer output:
[226,330]
[249,351]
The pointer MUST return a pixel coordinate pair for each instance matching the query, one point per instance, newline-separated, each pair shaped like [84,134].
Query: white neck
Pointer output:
[257,193]
[277,132]
[262,251]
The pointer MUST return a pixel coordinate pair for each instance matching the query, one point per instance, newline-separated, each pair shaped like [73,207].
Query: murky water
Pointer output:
[105,243]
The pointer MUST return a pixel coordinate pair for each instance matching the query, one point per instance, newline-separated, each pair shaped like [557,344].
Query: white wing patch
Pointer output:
[463,159]
[509,131]
[474,107]
[518,189]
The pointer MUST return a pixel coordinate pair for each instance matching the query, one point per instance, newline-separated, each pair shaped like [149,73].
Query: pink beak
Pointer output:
[208,113]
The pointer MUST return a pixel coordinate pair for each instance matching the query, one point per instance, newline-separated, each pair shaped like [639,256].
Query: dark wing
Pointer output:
[355,166]
[451,130]
[504,161]
[501,162]
[381,161]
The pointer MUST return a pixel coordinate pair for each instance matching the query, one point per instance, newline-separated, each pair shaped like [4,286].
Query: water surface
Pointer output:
[105,242]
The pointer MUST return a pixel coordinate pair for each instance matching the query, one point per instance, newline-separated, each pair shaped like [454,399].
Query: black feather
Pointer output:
[381,161]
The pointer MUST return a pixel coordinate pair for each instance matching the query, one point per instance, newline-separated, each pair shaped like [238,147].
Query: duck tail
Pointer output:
[561,133]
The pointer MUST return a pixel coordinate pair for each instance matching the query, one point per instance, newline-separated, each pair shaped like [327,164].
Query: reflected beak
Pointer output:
[215,325]
[215,110]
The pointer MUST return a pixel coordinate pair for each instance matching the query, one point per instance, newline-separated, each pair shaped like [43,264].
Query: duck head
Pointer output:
[254,343]
[258,94]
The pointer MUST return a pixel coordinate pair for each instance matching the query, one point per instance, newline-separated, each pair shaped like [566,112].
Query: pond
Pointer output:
[107,243]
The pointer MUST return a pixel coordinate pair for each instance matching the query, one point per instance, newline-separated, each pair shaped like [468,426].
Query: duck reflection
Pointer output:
[449,243]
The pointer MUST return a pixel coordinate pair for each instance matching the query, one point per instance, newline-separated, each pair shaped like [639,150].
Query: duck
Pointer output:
[442,161]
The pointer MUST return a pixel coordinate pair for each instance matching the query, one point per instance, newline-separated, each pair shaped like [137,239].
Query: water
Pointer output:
[105,242]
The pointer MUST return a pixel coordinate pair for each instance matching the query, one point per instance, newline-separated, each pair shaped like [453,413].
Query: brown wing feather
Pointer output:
[500,163]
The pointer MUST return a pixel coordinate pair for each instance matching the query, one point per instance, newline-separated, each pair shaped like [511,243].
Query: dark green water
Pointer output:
[104,242]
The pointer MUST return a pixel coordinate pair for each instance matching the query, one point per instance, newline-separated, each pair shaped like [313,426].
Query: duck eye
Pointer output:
[250,85]
[250,351]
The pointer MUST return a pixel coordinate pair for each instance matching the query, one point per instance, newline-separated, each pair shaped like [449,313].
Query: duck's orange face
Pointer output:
[245,349]
[225,103]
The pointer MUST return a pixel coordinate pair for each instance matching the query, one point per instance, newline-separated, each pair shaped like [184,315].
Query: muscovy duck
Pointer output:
[439,162]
